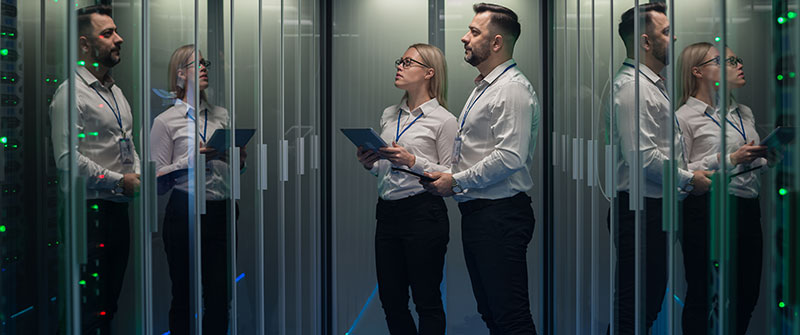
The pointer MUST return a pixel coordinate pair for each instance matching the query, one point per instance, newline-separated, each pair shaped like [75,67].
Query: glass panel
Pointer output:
[247,111]
[368,37]
[39,243]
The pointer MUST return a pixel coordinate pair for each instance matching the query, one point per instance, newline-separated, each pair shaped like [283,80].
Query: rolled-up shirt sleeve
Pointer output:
[512,118]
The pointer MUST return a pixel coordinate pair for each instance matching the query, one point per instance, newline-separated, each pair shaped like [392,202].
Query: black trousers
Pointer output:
[746,213]
[214,264]
[654,251]
[108,235]
[496,234]
[410,244]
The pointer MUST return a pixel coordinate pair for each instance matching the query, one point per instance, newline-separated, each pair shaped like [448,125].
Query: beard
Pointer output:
[477,55]
[660,53]
[106,57]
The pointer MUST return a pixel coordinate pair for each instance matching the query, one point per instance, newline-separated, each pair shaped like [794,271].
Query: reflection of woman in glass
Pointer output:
[413,229]
[172,147]
[701,68]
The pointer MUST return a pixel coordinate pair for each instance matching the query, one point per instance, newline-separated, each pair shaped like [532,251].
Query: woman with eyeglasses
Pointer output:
[702,69]
[172,146]
[412,225]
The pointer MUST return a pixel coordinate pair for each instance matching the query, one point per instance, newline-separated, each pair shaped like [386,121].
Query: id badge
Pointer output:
[457,150]
[126,151]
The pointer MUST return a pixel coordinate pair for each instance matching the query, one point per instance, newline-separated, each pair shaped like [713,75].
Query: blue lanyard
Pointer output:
[205,127]
[472,104]
[659,89]
[741,123]
[398,133]
[117,113]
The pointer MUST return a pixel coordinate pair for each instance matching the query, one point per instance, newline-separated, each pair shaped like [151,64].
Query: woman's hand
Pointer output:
[367,158]
[747,153]
[398,155]
[210,153]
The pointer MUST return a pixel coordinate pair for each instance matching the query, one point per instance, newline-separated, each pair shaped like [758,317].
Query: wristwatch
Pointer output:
[690,185]
[455,187]
[119,186]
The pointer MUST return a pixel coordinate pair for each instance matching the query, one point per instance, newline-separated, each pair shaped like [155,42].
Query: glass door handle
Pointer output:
[301,155]
[151,196]
[263,168]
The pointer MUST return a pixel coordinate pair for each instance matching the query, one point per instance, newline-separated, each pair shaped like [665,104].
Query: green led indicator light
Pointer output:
[94,274]
[96,207]
[792,74]
[791,15]
[716,83]
[49,244]
[2,229]
[717,38]
[3,139]
[82,282]
[781,304]
[94,133]
[96,64]
[57,242]
[4,52]
[81,63]
[716,264]
[783,191]
[780,77]
[47,80]
[81,135]
[55,80]
[781,20]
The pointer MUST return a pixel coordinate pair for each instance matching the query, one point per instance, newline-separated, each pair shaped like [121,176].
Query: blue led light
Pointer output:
[363,309]
[21,312]
[240,277]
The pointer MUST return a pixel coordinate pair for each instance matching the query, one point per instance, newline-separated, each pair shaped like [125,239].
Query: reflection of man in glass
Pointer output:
[491,168]
[653,148]
[106,159]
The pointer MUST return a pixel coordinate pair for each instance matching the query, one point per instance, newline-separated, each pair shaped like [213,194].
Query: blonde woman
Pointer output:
[701,68]
[172,140]
[412,225]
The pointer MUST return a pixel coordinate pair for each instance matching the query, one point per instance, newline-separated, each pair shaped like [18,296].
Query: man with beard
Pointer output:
[105,158]
[654,139]
[492,160]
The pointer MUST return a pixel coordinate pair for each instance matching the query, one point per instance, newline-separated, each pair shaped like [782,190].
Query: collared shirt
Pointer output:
[703,141]
[98,150]
[498,136]
[655,120]
[172,145]
[429,139]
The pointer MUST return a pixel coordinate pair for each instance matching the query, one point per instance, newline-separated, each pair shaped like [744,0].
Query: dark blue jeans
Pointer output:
[496,234]
[410,244]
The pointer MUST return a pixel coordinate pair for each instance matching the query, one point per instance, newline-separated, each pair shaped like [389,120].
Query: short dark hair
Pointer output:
[85,17]
[502,17]
[626,25]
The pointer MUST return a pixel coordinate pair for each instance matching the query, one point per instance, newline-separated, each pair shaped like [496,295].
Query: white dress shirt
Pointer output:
[98,151]
[172,145]
[429,139]
[498,136]
[702,137]
[655,120]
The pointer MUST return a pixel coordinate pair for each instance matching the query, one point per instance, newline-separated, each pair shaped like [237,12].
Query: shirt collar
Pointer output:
[426,108]
[90,79]
[649,73]
[496,72]
[698,105]
[188,110]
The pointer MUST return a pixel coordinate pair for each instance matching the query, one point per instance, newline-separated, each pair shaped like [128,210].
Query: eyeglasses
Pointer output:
[715,60]
[733,61]
[407,62]
[203,62]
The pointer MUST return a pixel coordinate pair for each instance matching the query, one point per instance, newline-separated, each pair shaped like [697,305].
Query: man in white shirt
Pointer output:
[654,140]
[492,160]
[105,157]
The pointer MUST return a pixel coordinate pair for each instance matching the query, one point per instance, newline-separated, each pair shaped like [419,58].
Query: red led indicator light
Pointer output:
[102,312]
